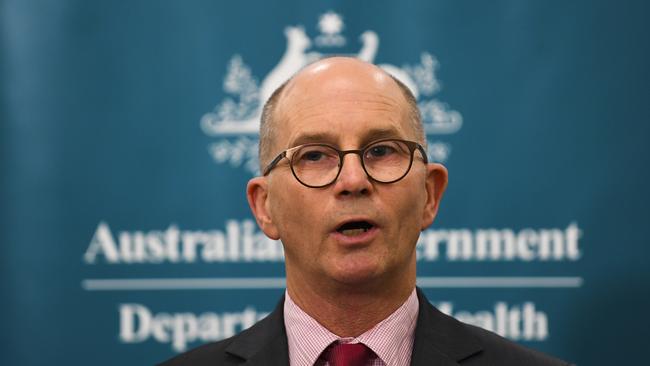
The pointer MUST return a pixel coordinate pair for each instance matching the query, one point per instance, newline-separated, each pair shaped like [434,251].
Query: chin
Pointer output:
[356,273]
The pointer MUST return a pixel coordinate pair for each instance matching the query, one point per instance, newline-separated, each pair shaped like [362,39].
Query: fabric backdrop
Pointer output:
[129,133]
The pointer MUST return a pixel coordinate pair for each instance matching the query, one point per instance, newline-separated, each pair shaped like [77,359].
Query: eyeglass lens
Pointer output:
[319,165]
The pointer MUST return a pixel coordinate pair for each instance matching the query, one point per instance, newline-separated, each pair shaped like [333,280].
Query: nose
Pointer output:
[352,179]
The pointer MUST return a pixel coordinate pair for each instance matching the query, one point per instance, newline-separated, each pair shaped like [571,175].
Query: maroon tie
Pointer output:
[349,354]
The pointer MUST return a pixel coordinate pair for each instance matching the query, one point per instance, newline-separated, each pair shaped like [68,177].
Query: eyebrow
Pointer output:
[380,133]
[371,135]
[309,138]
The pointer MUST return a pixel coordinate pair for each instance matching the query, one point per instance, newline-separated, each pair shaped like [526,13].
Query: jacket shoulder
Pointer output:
[208,354]
[445,338]
[501,351]
[265,340]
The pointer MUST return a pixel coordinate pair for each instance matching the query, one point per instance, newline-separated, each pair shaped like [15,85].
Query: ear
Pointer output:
[435,184]
[257,195]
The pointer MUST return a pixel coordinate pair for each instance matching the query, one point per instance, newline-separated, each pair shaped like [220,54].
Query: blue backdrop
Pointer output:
[128,135]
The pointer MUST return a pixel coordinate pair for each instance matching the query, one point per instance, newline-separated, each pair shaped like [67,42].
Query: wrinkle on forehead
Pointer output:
[298,121]
[356,102]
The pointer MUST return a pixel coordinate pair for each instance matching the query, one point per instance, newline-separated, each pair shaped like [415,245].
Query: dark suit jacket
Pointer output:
[440,340]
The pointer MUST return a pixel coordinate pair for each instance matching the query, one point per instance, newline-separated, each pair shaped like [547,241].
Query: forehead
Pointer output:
[339,104]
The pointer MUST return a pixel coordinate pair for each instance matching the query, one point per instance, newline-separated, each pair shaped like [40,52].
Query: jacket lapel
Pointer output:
[440,339]
[265,343]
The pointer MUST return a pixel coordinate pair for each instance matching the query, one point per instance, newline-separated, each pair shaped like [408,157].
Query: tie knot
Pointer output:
[349,354]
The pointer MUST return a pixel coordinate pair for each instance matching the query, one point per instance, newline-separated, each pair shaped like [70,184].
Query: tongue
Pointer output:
[353,232]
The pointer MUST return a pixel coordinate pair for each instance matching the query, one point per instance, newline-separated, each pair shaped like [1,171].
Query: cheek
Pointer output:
[409,206]
[291,212]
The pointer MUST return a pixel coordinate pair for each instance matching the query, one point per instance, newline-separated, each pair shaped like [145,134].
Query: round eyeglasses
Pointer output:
[319,165]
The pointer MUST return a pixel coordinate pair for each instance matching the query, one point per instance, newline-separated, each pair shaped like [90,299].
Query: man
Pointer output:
[347,187]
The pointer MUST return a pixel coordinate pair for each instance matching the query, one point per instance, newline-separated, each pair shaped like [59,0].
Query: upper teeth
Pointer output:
[352,232]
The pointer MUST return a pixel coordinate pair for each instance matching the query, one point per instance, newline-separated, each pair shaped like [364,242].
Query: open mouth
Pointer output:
[353,228]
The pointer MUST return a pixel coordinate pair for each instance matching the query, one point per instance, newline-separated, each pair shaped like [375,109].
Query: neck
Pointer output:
[349,310]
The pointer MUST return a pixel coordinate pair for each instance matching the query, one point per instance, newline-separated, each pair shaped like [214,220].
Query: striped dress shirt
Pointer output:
[391,339]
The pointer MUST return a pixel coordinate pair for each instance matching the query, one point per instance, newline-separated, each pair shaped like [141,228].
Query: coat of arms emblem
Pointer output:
[235,119]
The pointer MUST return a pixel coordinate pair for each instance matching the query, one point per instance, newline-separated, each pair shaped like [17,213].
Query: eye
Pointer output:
[315,154]
[312,155]
[380,151]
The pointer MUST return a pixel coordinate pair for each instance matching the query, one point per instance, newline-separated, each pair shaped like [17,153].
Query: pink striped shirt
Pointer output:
[391,339]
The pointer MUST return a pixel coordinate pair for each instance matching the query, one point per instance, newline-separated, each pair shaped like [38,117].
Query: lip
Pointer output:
[361,239]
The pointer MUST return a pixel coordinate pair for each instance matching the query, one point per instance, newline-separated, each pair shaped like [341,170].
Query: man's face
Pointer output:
[346,105]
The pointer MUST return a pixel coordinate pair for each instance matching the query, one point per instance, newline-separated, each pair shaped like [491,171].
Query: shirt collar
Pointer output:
[391,339]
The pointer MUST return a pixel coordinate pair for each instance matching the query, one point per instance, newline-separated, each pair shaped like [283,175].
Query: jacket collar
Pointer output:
[439,339]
